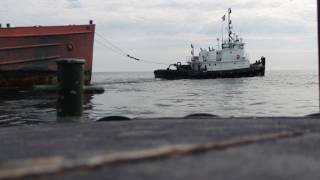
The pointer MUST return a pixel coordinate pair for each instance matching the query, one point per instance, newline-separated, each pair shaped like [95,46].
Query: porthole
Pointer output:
[70,46]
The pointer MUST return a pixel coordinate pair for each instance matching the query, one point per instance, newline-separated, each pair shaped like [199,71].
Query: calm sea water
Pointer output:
[279,93]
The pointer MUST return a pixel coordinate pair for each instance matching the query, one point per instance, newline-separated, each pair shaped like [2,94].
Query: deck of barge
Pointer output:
[169,148]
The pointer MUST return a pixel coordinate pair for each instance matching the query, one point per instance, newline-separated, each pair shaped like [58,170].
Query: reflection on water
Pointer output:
[290,93]
[21,107]
[27,107]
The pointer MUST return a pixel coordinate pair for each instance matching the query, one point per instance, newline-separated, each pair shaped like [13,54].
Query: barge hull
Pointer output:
[26,79]
[28,55]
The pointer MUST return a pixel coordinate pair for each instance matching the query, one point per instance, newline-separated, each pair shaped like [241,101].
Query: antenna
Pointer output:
[218,45]
[192,50]
[230,25]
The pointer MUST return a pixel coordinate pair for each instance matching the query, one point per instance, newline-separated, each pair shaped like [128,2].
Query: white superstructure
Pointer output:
[230,56]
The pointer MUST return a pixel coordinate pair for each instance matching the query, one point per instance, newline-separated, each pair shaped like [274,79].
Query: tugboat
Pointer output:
[228,61]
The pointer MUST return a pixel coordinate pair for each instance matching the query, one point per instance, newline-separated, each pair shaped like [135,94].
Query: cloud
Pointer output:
[74,4]
[165,28]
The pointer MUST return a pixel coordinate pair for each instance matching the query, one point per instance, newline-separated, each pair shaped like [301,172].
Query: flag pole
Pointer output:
[318,14]
[222,34]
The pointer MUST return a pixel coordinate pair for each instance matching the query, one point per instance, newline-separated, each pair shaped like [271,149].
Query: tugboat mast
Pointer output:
[230,25]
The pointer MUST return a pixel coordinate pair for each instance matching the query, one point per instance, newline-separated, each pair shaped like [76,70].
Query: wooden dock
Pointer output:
[167,148]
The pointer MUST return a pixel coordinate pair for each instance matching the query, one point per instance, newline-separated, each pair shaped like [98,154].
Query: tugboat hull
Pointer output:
[257,69]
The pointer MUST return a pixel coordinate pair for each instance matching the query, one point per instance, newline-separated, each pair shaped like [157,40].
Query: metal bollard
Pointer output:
[70,85]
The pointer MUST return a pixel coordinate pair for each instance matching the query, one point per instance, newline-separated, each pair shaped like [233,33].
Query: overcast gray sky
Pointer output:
[284,31]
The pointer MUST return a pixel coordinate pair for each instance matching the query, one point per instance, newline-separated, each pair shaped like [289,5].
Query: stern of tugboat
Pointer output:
[258,68]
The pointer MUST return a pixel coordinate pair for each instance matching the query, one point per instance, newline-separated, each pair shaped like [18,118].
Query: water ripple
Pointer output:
[139,94]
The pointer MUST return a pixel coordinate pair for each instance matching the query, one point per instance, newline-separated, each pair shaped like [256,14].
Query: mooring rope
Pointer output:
[116,49]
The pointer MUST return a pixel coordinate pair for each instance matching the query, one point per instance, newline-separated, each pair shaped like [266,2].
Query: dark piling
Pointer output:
[70,93]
